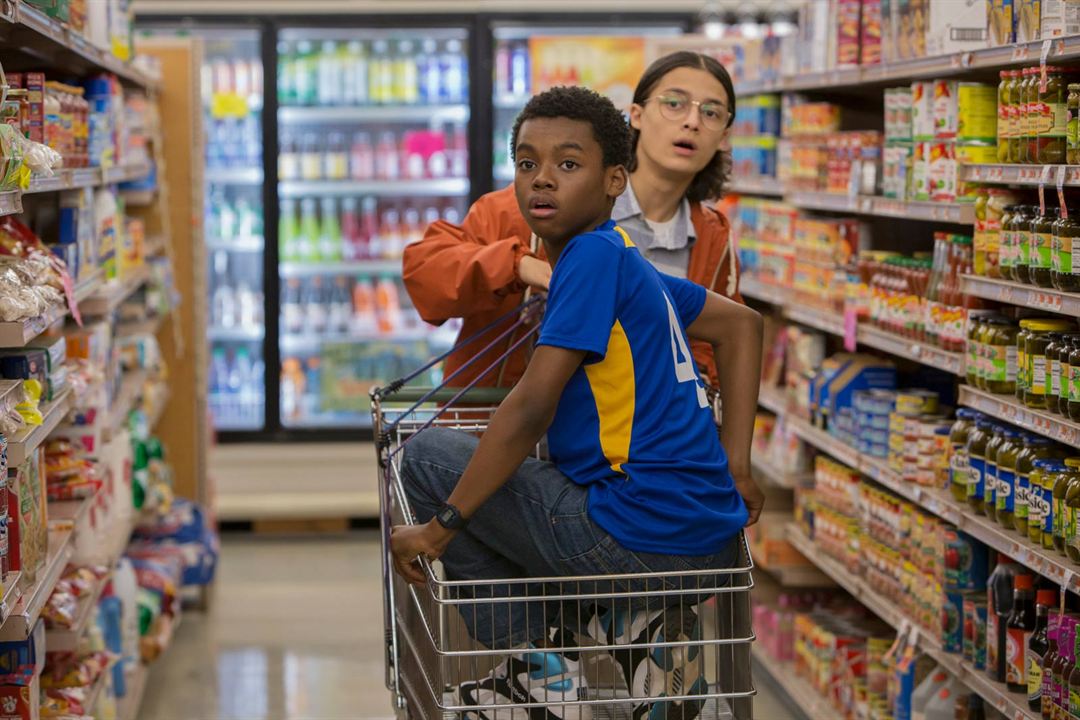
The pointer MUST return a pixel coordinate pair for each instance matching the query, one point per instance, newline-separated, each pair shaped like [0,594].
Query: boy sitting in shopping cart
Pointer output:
[639,482]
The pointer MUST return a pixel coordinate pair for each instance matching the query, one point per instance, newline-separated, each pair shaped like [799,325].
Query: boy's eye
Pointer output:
[526,164]
[569,164]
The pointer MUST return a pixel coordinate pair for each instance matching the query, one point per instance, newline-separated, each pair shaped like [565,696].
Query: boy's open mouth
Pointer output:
[684,147]
[542,207]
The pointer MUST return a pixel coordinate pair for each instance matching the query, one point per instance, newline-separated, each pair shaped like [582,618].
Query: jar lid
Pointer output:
[1049,464]
[1073,462]
[1046,325]
[1074,86]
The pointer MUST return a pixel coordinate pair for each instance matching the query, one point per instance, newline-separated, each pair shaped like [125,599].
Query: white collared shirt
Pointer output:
[666,244]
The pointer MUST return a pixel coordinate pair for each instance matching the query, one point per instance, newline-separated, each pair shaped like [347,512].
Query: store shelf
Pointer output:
[778,477]
[10,203]
[114,293]
[120,174]
[754,289]
[1022,175]
[1013,705]
[252,244]
[308,343]
[1012,293]
[384,188]
[128,706]
[813,704]
[943,212]
[67,640]
[131,389]
[810,317]
[831,202]
[235,176]
[12,591]
[219,334]
[768,186]
[363,267]
[24,615]
[823,441]
[25,28]
[71,514]
[429,114]
[1011,410]
[28,439]
[935,357]
[949,65]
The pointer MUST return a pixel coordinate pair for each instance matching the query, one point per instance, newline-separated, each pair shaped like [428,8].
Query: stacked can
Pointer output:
[912,428]
[872,411]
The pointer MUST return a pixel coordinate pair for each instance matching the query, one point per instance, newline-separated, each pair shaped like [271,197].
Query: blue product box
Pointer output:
[23,658]
[967,562]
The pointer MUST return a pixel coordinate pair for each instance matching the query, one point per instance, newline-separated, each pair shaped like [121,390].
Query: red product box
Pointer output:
[21,702]
[35,93]
[847,32]
[870,39]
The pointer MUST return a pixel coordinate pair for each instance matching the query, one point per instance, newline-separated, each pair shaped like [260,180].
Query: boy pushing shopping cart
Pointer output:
[591,581]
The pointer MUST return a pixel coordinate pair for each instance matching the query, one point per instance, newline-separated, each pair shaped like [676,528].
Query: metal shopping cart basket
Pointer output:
[429,652]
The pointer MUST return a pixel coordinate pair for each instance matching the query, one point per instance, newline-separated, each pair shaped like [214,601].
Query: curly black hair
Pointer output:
[578,103]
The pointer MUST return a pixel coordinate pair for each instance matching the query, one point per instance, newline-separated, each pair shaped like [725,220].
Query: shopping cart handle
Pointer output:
[413,393]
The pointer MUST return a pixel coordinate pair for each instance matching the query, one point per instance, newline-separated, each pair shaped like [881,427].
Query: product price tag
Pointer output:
[1019,52]
[1061,191]
[851,329]
[1064,590]
[1042,187]
[1042,64]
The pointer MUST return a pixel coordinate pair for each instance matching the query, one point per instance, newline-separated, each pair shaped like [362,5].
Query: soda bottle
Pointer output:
[412,144]
[380,74]
[307,92]
[430,73]
[350,230]
[406,77]
[292,313]
[502,68]
[329,74]
[292,388]
[315,307]
[459,152]
[362,157]
[341,306]
[286,69]
[387,306]
[390,242]
[519,70]
[330,235]
[363,307]
[307,244]
[1039,645]
[288,231]
[354,73]
[1018,633]
[452,215]
[431,215]
[336,157]
[311,157]
[413,230]
[219,372]
[454,73]
[223,303]
[245,220]
[387,160]
[368,238]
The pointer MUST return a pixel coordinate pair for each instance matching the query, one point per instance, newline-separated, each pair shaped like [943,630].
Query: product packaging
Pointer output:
[848,32]
[870,34]
[956,26]
[1001,22]
[22,660]
[1028,20]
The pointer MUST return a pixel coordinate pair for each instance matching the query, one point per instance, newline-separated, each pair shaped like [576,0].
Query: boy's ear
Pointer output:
[617,178]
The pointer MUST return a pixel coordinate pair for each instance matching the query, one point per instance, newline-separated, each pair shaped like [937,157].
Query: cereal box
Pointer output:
[1001,22]
[848,30]
[1028,19]
[911,30]
[956,26]
[1052,19]
[870,38]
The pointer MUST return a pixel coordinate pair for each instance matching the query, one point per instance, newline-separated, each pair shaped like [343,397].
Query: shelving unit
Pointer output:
[1011,410]
[812,703]
[429,114]
[363,267]
[1019,175]
[27,609]
[383,188]
[29,439]
[1029,296]
[114,293]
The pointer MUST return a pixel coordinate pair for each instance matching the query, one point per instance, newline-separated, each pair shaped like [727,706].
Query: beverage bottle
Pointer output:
[311,157]
[942,705]
[1038,646]
[292,388]
[430,73]
[999,604]
[1063,666]
[288,231]
[233,382]
[252,139]
[245,219]
[219,372]
[330,235]
[1074,683]
[307,245]
[406,76]
[341,306]
[368,239]
[354,73]
[438,162]
[459,152]
[255,72]
[363,307]
[336,158]
[241,72]
[452,215]
[454,73]
[413,162]
[361,157]
[380,74]
[329,74]
[519,70]
[350,230]
[315,307]
[387,306]
[1019,628]
[292,312]
[390,242]
[431,215]
[926,690]
[387,160]
[307,91]
[223,304]
[412,230]
[242,374]
[226,220]
[313,384]
[1048,692]
[502,68]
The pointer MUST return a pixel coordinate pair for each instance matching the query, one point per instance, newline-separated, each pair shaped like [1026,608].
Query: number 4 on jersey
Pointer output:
[680,353]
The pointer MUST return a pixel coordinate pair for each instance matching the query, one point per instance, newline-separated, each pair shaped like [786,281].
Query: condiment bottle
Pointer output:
[958,458]
[1046,667]
[999,604]
[1063,665]
[1005,492]
[1039,645]
[1035,447]
[1019,628]
[990,475]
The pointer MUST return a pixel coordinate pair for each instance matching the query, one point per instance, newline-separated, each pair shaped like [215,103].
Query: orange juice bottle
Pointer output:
[387,306]
[363,300]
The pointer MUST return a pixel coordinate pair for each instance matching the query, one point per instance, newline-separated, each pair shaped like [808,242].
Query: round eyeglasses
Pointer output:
[676,106]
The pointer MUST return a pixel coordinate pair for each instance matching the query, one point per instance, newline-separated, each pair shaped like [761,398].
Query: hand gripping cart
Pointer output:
[619,621]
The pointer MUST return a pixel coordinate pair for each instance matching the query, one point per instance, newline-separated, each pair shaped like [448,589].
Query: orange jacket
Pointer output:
[470,271]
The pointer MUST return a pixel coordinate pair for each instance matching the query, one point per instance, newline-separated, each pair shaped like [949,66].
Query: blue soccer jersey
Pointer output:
[633,424]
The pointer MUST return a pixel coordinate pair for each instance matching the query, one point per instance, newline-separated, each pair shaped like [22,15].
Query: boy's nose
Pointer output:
[692,121]
[543,180]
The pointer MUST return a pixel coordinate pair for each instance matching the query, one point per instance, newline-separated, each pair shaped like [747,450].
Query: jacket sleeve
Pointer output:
[458,271]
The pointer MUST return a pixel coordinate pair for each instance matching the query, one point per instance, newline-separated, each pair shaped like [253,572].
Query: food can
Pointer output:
[975,628]
[916,402]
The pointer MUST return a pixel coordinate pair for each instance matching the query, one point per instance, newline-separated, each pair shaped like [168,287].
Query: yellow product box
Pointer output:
[1001,21]
[1028,20]
[911,30]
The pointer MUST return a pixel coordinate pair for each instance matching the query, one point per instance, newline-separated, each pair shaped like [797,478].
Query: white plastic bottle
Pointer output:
[126,588]
[942,705]
[925,692]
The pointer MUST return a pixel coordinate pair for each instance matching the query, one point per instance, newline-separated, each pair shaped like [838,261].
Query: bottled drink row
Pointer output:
[236,388]
[411,155]
[512,68]
[354,229]
[233,142]
[230,217]
[364,307]
[235,304]
[233,76]
[378,72]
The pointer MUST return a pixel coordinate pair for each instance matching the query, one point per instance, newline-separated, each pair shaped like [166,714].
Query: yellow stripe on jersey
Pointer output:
[627,242]
[612,383]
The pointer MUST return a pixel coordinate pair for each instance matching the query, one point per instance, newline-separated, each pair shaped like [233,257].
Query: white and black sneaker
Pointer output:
[656,673]
[532,676]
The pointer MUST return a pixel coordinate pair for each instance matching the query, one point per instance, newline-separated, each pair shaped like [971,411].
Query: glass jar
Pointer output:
[1023,242]
[1021,360]
[1035,394]
[1065,348]
[1074,380]
[1052,116]
[1003,107]
[976,451]
[974,348]
[1038,503]
[1053,370]
[1018,139]
[1031,126]
[997,439]
[1066,230]
[1072,509]
[958,457]
[999,368]
[1072,131]
[984,341]
[1005,491]
[1064,525]
[1050,482]
[1035,447]
[1006,256]
[1040,260]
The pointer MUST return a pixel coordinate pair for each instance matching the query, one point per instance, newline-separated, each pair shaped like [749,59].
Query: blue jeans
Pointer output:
[536,525]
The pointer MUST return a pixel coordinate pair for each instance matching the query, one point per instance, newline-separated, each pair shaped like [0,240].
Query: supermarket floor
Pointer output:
[295,631]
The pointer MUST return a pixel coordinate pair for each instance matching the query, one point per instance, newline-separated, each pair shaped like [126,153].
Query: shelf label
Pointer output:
[1061,190]
[1042,187]
[1019,52]
[228,105]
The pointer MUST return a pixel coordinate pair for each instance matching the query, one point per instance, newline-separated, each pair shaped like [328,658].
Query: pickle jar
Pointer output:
[1066,229]
[1049,484]
[1074,380]
[1072,125]
[976,452]
[1051,116]
[997,439]
[999,350]
[1037,372]
[1053,370]
[1065,349]
[958,457]
[1022,220]
[1040,258]
[1064,520]
[1072,510]
[1003,109]
[1005,489]
[1021,359]
[1006,257]
[984,344]
[1030,142]
[1037,513]
[1035,447]
[974,347]
[1018,125]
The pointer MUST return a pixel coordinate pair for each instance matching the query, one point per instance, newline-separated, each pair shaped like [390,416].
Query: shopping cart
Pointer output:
[429,652]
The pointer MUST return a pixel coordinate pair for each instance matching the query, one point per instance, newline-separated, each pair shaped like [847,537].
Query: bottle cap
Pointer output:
[1023,582]
[1046,597]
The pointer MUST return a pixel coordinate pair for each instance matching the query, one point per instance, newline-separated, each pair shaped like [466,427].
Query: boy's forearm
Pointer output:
[738,363]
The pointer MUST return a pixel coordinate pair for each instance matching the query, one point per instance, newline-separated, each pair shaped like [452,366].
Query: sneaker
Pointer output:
[531,676]
[661,672]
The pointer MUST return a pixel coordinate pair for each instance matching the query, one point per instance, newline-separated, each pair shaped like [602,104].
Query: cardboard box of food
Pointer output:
[956,26]
[1001,22]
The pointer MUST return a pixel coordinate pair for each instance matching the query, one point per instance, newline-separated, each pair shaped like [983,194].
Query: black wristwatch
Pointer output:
[450,518]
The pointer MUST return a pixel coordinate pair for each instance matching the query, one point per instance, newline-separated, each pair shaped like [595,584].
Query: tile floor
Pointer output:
[295,632]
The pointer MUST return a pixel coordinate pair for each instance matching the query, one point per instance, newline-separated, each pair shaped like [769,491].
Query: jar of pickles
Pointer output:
[1038,502]
[1018,140]
[1037,367]
[1065,349]
[1066,229]
[1003,108]
[1058,472]
[1034,447]
[999,351]
[1006,256]
[1022,219]
[1031,124]
[990,475]
[1053,370]
[978,439]
[974,362]
[1072,125]
[1074,380]
[1072,510]
[1064,524]
[1040,260]
[958,452]
[1005,489]
[1022,380]
[1051,117]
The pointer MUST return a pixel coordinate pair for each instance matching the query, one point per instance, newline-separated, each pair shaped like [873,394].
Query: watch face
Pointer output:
[448,517]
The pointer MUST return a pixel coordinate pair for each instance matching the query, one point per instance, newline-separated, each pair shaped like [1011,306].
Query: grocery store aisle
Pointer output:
[295,631]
